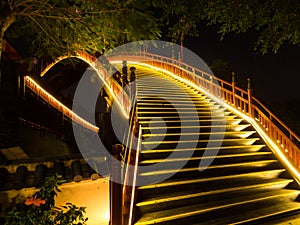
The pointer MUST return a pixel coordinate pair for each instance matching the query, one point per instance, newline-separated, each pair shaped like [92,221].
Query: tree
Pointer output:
[222,69]
[39,209]
[275,21]
[53,28]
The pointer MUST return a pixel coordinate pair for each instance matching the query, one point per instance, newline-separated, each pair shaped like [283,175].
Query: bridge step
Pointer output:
[209,193]
[192,131]
[192,112]
[222,208]
[163,153]
[260,214]
[199,126]
[195,160]
[181,184]
[212,169]
[195,142]
[186,117]
[191,122]
[202,164]
[158,100]
[180,108]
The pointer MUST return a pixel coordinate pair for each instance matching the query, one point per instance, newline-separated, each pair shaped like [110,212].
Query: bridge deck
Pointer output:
[202,164]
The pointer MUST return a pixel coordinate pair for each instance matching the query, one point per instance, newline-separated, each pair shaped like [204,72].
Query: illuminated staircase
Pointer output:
[244,184]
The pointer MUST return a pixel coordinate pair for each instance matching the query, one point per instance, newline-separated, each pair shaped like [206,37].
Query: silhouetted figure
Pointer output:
[132,74]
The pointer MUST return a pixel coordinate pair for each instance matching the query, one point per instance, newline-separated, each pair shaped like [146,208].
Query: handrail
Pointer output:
[127,138]
[292,134]
[286,140]
[129,182]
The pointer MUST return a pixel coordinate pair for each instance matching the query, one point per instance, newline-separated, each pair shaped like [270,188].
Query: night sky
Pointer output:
[275,77]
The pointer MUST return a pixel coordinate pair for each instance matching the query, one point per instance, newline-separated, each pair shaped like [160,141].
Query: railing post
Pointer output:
[116,188]
[233,88]
[211,84]
[250,92]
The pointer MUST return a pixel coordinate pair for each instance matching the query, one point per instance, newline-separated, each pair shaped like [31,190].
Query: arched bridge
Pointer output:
[223,157]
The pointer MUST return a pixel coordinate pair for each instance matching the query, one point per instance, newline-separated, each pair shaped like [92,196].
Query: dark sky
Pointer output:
[275,77]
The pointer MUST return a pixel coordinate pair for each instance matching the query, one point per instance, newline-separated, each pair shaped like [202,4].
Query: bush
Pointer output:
[39,209]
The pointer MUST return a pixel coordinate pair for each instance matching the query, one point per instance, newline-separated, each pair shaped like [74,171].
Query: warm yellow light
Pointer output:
[107,215]
[52,64]
[273,146]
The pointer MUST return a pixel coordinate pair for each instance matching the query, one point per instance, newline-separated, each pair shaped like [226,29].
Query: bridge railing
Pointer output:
[284,137]
[101,66]
[38,90]
[242,100]
[113,86]
[122,196]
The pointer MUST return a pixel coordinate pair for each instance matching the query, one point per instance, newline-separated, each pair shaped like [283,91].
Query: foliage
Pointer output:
[181,18]
[39,209]
[222,69]
[54,28]
[276,21]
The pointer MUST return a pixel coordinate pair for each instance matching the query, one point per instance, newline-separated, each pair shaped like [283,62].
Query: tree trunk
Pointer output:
[5,24]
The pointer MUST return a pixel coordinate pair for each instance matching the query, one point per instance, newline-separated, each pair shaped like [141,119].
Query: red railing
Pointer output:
[286,140]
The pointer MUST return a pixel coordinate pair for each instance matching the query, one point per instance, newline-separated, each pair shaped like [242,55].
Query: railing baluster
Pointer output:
[233,89]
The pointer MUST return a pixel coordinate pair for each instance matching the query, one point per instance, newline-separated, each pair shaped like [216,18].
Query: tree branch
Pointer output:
[44,30]
[47,16]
